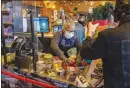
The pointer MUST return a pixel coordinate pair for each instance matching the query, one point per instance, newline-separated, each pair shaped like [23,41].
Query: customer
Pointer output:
[113,46]
[64,40]
[79,29]
[82,19]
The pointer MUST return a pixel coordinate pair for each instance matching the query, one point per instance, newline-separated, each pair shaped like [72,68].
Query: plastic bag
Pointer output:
[72,52]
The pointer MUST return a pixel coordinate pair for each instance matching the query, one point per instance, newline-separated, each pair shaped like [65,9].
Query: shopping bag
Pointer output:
[95,73]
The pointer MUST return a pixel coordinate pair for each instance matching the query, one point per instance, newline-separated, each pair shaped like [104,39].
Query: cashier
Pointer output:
[64,40]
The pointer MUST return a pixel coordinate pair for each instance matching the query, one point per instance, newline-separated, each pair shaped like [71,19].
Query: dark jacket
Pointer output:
[113,46]
[60,45]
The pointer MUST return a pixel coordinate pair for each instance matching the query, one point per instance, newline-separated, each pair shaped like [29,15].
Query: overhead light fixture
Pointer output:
[64,1]
[91,3]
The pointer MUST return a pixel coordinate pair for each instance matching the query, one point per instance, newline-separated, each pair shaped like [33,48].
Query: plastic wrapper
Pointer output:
[72,52]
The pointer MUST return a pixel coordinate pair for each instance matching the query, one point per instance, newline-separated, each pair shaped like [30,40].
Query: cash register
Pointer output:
[23,49]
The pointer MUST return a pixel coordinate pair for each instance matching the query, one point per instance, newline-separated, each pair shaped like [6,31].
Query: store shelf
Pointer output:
[5,12]
[8,24]
[4,1]
[8,35]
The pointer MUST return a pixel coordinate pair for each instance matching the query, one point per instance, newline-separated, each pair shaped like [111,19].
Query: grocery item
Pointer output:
[40,66]
[52,74]
[95,73]
[72,52]
[48,58]
[60,72]
[80,81]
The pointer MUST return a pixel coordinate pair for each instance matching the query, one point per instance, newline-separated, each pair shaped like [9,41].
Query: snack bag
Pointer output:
[81,82]
[95,73]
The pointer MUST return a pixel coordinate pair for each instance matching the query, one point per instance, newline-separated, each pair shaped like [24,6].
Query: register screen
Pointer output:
[57,28]
[41,24]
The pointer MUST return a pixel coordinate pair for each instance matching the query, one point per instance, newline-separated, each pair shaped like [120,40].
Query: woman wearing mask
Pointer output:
[64,40]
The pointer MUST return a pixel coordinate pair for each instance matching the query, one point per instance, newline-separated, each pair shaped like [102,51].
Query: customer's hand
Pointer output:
[92,29]
[91,34]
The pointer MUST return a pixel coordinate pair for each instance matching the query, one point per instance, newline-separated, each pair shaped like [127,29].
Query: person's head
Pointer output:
[75,17]
[68,29]
[122,12]
[82,17]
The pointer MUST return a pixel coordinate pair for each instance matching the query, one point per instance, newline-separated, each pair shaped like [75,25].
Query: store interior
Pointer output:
[26,34]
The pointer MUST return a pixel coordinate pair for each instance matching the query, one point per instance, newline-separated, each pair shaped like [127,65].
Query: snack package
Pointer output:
[95,73]
[81,82]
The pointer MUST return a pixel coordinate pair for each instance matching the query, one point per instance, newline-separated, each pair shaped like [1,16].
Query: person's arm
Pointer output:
[55,45]
[77,44]
[94,50]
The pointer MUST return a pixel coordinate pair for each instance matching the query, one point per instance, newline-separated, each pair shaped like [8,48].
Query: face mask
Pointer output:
[68,34]
[81,19]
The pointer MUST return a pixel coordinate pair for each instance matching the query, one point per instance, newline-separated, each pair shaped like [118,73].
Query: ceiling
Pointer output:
[68,5]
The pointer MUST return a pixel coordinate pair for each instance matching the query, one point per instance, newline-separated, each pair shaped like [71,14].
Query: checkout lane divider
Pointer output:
[28,80]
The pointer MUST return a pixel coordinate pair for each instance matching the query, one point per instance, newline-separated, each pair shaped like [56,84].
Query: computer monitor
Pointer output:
[57,28]
[41,24]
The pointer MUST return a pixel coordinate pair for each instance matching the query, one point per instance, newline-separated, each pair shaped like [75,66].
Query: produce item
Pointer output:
[95,73]
[80,81]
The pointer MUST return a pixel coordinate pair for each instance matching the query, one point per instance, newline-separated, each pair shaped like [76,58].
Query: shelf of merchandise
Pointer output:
[8,24]
[5,12]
